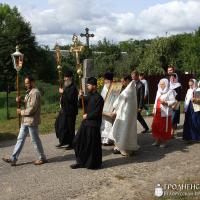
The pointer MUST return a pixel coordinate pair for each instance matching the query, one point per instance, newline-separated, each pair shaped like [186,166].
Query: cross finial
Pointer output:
[77,50]
[58,55]
[75,39]
[87,35]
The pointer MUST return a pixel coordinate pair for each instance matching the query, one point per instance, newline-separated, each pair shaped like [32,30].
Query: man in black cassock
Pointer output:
[87,142]
[65,122]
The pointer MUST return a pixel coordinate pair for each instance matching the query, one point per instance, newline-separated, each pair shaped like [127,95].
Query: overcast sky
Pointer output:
[118,20]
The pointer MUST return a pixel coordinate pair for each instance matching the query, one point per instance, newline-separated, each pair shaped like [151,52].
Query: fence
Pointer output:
[154,80]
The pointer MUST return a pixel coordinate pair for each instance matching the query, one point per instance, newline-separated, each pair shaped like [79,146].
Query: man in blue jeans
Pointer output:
[30,121]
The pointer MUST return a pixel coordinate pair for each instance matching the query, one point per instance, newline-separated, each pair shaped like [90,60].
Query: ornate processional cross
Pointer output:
[59,67]
[77,50]
[87,35]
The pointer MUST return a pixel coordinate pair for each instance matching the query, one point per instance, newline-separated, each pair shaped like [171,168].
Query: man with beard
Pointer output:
[29,124]
[170,70]
[87,142]
[65,122]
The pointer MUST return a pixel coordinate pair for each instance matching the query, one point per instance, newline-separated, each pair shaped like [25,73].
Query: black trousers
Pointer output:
[142,121]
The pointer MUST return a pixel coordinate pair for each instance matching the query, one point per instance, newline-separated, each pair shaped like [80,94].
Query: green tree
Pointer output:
[45,65]
[14,30]
[106,57]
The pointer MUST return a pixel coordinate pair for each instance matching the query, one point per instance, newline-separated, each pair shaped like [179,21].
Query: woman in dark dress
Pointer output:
[191,128]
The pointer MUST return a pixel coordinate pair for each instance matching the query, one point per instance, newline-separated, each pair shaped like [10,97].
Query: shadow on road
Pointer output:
[147,152]
[7,139]
[61,158]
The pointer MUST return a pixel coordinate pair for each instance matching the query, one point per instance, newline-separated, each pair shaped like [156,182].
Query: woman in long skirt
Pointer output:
[191,128]
[162,121]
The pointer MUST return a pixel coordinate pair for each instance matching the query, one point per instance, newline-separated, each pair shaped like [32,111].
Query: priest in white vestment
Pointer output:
[107,121]
[124,129]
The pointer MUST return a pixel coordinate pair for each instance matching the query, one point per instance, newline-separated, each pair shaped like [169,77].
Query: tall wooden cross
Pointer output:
[87,35]
[77,50]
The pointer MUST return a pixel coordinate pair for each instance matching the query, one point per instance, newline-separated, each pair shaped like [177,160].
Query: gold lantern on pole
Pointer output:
[17,59]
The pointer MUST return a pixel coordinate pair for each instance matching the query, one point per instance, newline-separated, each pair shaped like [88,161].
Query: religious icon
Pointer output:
[112,95]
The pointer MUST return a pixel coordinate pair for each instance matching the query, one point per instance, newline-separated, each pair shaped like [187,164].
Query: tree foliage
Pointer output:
[148,56]
[14,30]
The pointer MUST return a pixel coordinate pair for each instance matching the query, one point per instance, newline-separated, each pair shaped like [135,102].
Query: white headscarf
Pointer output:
[189,94]
[160,91]
[195,85]
[176,84]
[166,89]
[198,86]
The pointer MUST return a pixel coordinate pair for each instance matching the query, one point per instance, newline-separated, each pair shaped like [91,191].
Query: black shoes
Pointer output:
[68,147]
[145,131]
[115,151]
[107,144]
[76,166]
[64,146]
[58,146]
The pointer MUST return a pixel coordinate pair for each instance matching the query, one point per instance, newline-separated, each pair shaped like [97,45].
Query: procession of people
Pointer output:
[118,128]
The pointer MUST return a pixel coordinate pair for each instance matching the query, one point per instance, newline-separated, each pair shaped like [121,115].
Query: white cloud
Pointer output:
[64,18]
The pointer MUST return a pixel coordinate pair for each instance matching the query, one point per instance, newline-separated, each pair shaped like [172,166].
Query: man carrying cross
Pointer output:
[87,142]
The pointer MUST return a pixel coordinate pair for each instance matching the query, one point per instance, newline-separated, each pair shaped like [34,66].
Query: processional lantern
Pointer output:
[17,59]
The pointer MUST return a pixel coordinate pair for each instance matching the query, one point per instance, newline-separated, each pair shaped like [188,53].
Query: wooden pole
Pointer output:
[18,95]
[81,88]
[79,72]
[7,103]
[17,59]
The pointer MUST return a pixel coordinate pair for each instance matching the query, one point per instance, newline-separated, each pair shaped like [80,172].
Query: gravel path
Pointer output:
[120,178]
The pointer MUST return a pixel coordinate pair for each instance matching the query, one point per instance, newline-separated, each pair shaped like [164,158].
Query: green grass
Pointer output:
[9,128]
[49,111]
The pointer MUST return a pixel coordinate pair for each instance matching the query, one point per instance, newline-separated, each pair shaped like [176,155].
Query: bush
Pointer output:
[49,92]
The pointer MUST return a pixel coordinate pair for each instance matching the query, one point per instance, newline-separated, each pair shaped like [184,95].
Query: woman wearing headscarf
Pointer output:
[192,86]
[191,128]
[176,86]
[162,121]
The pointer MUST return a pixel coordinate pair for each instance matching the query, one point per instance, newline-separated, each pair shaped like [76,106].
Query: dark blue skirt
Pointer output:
[176,117]
[191,128]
